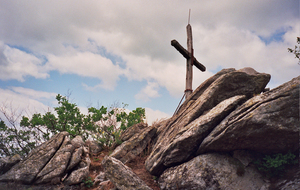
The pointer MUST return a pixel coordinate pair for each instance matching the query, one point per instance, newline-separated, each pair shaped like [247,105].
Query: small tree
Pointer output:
[13,138]
[296,50]
[68,119]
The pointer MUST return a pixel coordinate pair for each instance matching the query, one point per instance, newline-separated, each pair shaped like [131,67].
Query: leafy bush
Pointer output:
[88,182]
[113,122]
[274,165]
[103,124]
[13,138]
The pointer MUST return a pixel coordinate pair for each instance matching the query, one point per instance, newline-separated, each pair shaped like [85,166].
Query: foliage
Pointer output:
[88,182]
[296,50]
[13,139]
[103,124]
[274,165]
[68,119]
[134,117]
[115,121]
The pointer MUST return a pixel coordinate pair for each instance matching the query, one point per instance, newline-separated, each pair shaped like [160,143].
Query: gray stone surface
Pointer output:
[128,133]
[188,139]
[80,172]
[8,162]
[77,142]
[26,171]
[212,171]
[267,123]
[58,163]
[122,176]
[75,158]
[226,85]
[93,146]
[77,176]
[131,148]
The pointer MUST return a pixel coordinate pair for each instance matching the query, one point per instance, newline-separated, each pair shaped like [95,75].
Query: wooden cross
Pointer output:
[190,60]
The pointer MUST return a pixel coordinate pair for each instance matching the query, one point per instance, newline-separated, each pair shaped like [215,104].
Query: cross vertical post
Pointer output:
[190,60]
[189,63]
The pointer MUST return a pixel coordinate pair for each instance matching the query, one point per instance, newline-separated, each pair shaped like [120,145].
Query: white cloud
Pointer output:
[150,91]
[87,64]
[23,101]
[16,64]
[155,115]
[34,94]
[226,34]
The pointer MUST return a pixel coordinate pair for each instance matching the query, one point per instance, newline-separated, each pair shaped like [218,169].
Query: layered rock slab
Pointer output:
[212,171]
[131,148]
[122,176]
[81,172]
[267,123]
[26,170]
[131,131]
[58,163]
[200,89]
[188,139]
[226,84]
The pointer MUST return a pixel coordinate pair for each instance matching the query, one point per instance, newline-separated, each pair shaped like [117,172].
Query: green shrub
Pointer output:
[275,164]
[103,124]
[88,182]
[114,122]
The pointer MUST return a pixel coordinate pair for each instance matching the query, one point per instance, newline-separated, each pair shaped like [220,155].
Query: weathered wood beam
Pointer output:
[189,63]
[187,55]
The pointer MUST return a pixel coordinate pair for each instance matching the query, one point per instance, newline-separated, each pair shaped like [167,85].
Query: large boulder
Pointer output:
[212,171]
[26,170]
[267,123]
[80,173]
[122,176]
[200,89]
[131,148]
[75,158]
[77,142]
[229,83]
[190,137]
[58,163]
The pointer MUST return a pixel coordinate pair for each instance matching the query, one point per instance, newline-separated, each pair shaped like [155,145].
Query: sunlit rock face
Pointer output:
[224,85]
[267,123]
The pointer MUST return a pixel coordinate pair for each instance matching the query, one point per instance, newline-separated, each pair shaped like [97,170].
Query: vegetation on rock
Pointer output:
[275,164]
[296,50]
[104,125]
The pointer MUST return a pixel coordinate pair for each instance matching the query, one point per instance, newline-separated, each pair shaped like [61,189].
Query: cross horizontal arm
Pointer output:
[187,55]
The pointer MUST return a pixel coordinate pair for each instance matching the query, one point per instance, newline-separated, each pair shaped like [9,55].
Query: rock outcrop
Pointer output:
[128,150]
[53,161]
[27,170]
[212,171]
[135,129]
[212,142]
[267,123]
[122,176]
[58,163]
[188,139]
[226,84]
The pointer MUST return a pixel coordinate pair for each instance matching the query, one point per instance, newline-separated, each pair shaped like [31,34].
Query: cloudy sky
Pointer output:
[110,51]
